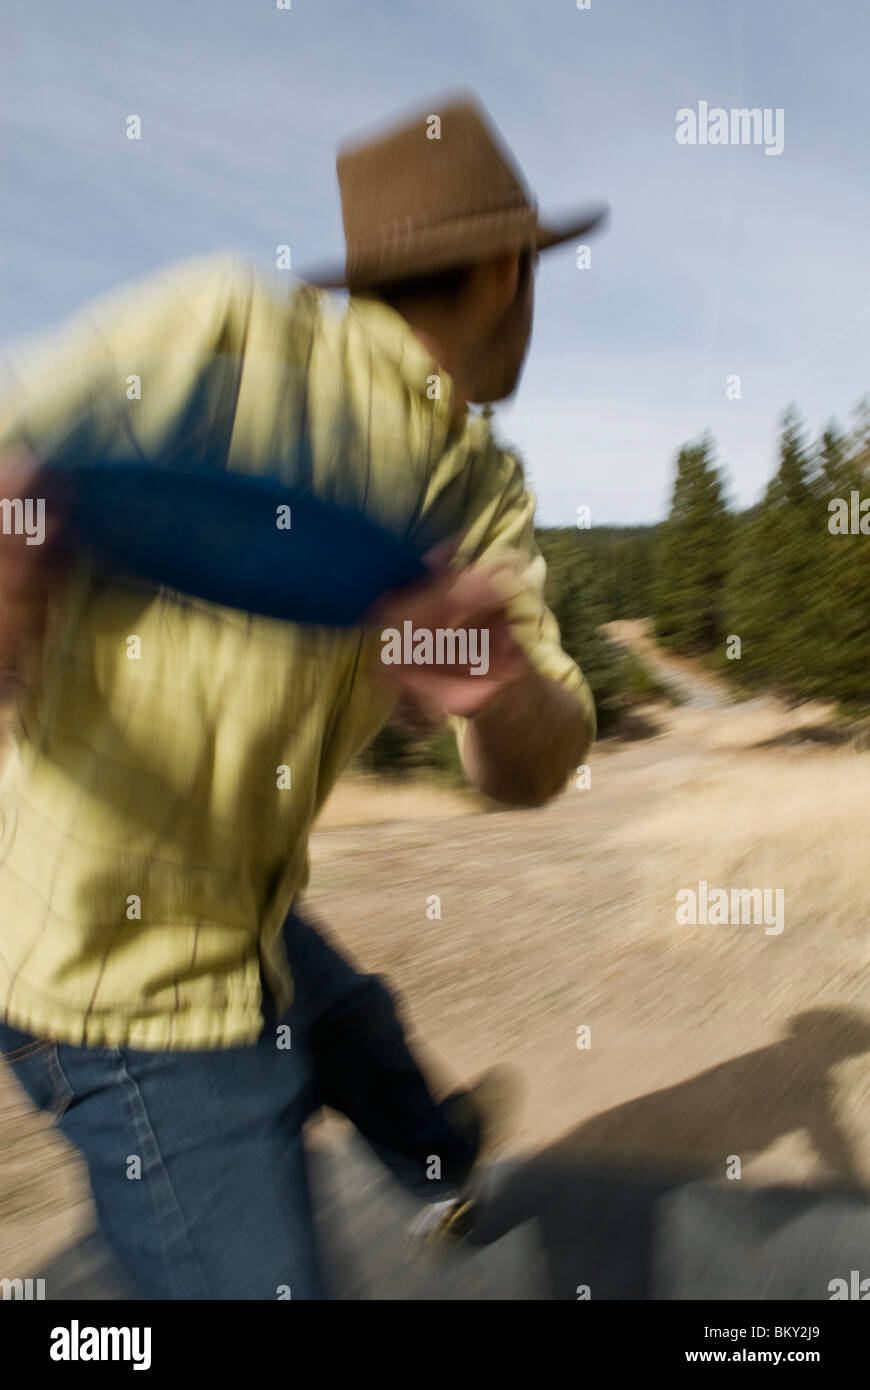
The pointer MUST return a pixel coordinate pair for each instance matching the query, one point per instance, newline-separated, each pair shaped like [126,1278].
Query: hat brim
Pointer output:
[591,219]
[546,235]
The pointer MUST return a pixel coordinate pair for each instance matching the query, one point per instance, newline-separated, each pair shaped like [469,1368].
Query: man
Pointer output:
[153,847]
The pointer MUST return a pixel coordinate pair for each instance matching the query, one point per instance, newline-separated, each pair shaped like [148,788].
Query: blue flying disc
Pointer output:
[245,542]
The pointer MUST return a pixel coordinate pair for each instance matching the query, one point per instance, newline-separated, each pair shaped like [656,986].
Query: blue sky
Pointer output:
[718,260]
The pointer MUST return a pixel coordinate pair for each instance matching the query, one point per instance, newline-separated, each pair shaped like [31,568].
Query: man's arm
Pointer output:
[521,747]
[29,575]
[523,728]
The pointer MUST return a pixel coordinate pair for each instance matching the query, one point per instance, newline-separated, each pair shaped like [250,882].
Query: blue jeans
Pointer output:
[196,1159]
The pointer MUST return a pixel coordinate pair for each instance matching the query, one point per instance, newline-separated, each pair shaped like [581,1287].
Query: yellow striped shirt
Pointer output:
[157,800]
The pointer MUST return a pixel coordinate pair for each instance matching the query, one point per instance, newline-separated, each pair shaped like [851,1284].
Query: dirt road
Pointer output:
[694,687]
[507,932]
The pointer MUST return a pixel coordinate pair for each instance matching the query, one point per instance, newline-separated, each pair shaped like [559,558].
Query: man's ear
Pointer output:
[495,282]
[506,269]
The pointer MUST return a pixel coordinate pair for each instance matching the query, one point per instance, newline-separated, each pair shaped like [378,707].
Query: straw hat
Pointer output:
[440,190]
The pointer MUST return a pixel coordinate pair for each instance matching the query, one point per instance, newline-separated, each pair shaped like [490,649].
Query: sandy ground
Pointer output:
[705,1042]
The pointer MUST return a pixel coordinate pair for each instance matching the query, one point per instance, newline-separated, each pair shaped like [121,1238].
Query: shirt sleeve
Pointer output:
[140,373]
[498,533]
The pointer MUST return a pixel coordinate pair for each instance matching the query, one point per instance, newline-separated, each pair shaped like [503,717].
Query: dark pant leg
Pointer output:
[365,1069]
[195,1158]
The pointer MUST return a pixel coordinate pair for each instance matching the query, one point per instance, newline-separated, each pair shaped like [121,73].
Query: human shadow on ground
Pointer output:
[625,1203]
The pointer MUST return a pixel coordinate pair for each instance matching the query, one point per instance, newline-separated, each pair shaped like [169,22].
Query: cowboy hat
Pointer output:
[439,191]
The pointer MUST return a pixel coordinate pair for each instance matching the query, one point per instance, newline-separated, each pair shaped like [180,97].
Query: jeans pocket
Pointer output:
[34,1062]
[17,1047]
[63,1094]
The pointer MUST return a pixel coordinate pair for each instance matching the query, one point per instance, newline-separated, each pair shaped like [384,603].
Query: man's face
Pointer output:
[503,349]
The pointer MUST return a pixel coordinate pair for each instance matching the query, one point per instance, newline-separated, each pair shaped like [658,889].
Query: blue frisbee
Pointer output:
[245,542]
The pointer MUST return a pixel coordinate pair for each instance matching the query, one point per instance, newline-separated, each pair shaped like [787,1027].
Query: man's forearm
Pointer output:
[522,745]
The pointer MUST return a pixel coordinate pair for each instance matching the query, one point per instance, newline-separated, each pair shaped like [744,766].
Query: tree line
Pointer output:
[777,595]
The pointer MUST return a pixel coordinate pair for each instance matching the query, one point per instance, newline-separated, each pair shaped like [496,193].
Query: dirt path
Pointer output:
[563,918]
[694,687]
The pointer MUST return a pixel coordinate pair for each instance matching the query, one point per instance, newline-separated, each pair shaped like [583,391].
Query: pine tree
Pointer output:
[574,596]
[840,612]
[772,595]
[692,555]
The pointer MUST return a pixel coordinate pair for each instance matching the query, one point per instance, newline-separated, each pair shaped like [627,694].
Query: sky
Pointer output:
[719,259]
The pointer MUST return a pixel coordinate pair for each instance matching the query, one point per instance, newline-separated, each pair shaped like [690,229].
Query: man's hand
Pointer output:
[525,733]
[456,601]
[32,565]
